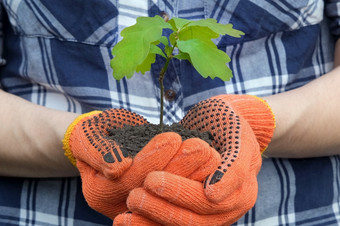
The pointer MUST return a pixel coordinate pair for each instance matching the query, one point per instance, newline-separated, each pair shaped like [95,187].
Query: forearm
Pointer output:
[337,54]
[307,119]
[30,137]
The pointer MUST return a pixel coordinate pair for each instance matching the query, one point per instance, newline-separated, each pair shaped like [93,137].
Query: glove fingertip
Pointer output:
[190,145]
[115,170]
[159,150]
[135,198]
[154,180]
[121,220]
[215,188]
[166,137]
[129,218]
[206,169]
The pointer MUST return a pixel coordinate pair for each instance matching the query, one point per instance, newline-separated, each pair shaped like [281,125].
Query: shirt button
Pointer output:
[2,62]
[164,15]
[170,95]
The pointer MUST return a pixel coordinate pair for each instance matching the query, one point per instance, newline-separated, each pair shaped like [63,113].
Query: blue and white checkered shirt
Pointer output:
[57,55]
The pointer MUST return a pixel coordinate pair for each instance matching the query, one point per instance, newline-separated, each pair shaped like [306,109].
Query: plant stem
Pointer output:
[161,85]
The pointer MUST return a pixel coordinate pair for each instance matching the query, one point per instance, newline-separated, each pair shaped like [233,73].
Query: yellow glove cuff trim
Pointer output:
[68,133]
[271,111]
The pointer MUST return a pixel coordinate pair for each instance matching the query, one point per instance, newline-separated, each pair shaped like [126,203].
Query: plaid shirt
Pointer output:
[58,56]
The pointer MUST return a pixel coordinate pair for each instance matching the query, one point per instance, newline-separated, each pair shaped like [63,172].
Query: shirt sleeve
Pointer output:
[2,60]
[333,12]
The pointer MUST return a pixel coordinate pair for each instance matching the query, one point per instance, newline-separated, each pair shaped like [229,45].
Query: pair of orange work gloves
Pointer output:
[170,181]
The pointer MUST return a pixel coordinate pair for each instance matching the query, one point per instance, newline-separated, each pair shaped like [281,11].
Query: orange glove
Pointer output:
[242,127]
[109,196]
[106,185]
[233,120]
[194,160]
[86,140]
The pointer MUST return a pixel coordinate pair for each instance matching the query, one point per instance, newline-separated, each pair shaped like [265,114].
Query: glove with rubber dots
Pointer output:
[86,139]
[107,170]
[242,127]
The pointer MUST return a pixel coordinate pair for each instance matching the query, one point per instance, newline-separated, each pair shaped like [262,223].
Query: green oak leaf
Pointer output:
[178,23]
[183,56]
[131,52]
[164,41]
[198,32]
[172,38]
[146,65]
[207,60]
[156,50]
[150,59]
[168,50]
[222,29]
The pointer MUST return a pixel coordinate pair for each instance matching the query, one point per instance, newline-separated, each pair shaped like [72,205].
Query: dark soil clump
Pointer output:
[134,138]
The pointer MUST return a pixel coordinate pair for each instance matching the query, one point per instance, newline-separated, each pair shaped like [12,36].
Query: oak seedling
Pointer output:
[142,41]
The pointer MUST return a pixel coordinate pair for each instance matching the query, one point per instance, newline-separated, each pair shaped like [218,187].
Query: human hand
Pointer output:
[108,195]
[194,161]
[192,158]
[242,126]
[86,140]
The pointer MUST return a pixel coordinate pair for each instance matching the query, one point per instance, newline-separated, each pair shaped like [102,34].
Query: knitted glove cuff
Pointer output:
[68,134]
[256,112]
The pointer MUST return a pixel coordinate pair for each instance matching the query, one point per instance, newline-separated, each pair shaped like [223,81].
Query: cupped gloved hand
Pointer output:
[108,173]
[242,127]
[86,139]
[194,160]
